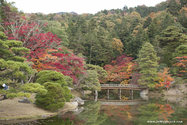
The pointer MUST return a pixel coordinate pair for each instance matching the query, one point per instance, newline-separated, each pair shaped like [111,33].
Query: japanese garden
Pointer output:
[124,66]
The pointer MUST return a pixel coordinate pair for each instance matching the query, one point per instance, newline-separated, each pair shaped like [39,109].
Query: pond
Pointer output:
[155,110]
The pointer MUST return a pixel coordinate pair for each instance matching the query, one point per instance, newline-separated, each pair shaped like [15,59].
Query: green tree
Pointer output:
[90,81]
[13,67]
[131,47]
[51,76]
[183,2]
[148,63]
[123,30]
[167,21]
[169,41]
[151,32]
[180,51]
[101,73]
[53,99]
[56,28]
[173,7]
[147,22]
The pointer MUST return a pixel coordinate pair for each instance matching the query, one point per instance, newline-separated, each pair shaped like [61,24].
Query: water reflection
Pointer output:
[164,109]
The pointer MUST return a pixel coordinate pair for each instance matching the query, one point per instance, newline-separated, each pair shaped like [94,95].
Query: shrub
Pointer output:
[53,99]
[51,76]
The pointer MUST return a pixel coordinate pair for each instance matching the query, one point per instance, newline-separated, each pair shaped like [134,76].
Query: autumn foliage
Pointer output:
[181,63]
[120,69]
[58,60]
[165,79]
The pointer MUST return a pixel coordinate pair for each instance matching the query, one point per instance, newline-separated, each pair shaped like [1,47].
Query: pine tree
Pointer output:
[169,41]
[148,63]
[170,38]
[173,7]
[12,63]
[167,21]
[147,22]
[183,2]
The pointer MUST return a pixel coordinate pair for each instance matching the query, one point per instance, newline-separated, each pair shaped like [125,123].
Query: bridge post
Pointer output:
[119,93]
[131,94]
[107,94]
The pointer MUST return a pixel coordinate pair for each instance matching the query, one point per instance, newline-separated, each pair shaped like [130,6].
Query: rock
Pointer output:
[74,103]
[25,100]
[78,100]
[78,110]
[70,88]
[143,94]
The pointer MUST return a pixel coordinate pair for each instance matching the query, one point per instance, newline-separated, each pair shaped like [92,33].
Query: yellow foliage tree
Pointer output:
[135,14]
[164,78]
[117,45]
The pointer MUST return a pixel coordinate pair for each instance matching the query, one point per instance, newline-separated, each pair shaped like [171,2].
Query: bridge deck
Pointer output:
[122,86]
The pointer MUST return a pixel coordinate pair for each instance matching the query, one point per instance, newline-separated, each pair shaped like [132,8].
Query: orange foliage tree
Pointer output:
[120,69]
[164,78]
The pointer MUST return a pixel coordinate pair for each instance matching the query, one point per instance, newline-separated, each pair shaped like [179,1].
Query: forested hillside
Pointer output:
[120,46]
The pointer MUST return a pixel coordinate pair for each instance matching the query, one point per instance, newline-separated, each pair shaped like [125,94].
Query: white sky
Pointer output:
[78,6]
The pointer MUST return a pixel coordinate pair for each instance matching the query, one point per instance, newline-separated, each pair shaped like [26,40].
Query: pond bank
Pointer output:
[178,90]
[11,109]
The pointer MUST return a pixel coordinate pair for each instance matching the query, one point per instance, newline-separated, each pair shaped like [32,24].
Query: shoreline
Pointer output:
[12,110]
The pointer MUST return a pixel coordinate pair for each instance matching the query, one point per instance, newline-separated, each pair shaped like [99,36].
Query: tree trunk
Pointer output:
[96,95]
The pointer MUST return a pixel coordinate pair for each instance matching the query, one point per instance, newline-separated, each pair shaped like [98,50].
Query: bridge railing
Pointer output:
[121,85]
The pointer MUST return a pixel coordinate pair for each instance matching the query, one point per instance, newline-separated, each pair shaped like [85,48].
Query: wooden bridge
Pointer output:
[122,86]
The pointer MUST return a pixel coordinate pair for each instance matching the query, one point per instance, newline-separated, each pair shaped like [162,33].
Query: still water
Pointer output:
[155,110]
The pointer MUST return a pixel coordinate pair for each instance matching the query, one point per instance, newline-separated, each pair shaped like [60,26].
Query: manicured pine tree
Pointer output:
[148,63]
[12,63]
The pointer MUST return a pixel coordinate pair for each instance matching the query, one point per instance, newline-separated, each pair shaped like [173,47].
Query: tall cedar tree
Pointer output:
[148,63]
[170,40]
[173,7]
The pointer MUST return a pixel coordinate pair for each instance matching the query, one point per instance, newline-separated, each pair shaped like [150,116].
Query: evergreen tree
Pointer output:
[170,38]
[167,21]
[151,32]
[131,46]
[169,41]
[90,81]
[147,22]
[180,51]
[13,66]
[173,7]
[123,31]
[53,99]
[183,2]
[148,63]
[144,37]
[51,76]
[183,20]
